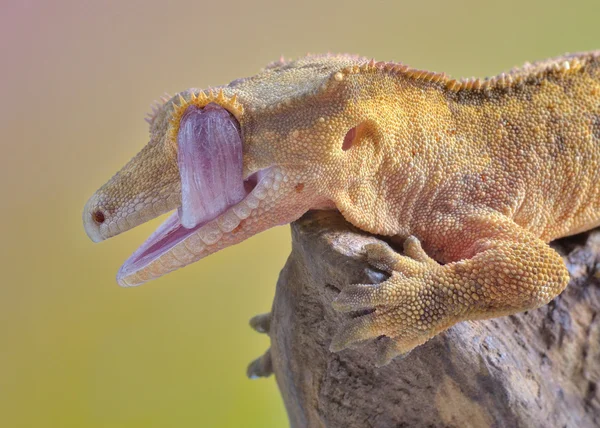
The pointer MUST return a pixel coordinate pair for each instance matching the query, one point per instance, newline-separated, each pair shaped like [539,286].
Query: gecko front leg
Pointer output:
[500,269]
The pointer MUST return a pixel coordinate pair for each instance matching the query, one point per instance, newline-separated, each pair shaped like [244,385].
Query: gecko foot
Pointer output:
[404,308]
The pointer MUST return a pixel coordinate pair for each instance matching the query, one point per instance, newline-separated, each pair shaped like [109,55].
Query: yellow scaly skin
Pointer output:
[476,176]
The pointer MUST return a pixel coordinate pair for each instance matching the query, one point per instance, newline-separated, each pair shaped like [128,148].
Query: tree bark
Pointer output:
[535,369]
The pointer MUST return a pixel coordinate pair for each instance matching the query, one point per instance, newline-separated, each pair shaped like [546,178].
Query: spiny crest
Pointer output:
[200,100]
[276,64]
[405,70]
[155,107]
[528,73]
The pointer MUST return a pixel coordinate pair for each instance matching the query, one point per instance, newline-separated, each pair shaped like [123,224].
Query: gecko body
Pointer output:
[475,176]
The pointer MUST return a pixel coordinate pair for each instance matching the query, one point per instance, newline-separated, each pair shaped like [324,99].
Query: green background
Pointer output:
[76,79]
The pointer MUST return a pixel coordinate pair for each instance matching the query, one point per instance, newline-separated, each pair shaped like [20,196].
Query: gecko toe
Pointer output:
[357,297]
[358,330]
[382,257]
[388,350]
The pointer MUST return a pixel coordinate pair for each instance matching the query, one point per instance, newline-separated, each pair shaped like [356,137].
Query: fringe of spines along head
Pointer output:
[200,99]
[155,107]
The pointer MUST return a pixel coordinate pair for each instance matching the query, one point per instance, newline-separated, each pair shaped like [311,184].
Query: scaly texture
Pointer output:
[475,177]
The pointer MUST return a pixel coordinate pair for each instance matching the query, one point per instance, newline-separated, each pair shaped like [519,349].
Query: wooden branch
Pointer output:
[535,369]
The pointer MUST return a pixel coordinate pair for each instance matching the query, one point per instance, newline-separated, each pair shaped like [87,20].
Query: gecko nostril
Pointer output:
[98,216]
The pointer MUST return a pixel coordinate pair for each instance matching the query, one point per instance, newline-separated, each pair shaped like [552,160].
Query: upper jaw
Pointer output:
[146,187]
[129,213]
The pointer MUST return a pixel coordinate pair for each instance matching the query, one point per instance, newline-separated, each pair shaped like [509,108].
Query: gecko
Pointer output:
[474,176]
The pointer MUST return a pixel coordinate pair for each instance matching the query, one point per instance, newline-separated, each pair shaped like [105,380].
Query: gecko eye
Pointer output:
[98,216]
[349,139]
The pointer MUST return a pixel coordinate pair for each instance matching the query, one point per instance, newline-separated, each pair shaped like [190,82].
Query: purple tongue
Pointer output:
[210,164]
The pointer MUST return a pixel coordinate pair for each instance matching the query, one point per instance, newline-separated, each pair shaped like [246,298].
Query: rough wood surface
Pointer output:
[535,369]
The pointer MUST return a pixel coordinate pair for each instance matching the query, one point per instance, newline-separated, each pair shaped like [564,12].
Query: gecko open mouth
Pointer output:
[215,198]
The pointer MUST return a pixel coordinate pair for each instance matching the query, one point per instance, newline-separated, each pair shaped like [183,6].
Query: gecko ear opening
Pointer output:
[349,139]
[352,136]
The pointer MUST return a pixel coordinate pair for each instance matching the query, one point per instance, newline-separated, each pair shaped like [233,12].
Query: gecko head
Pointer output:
[229,163]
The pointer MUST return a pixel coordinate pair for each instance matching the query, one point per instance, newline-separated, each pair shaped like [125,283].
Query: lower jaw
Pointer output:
[172,246]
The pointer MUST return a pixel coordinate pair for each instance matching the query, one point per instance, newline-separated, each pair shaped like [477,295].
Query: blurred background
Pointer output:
[76,79]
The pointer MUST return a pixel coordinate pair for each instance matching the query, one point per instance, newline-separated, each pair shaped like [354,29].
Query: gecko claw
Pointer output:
[381,256]
[388,350]
[355,331]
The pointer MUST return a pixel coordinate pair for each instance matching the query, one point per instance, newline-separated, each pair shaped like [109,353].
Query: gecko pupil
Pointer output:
[98,217]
